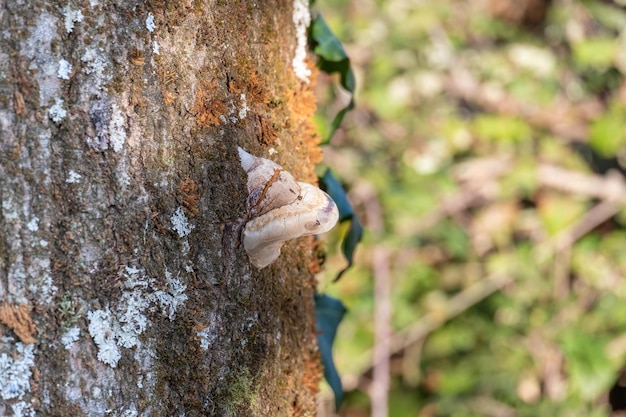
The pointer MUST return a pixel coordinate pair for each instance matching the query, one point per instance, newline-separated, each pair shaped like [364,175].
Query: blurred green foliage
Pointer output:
[491,145]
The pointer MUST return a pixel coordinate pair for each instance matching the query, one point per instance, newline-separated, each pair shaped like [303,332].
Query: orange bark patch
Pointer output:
[19,105]
[189,191]
[17,318]
[234,86]
[136,57]
[265,131]
[302,104]
[257,93]
[312,373]
[208,109]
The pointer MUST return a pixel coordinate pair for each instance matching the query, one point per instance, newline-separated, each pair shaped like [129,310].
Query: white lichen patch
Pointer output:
[150,23]
[117,129]
[301,20]
[132,307]
[65,69]
[207,336]
[71,16]
[69,337]
[130,412]
[95,65]
[57,112]
[101,330]
[156,49]
[33,224]
[15,369]
[22,409]
[243,111]
[132,321]
[173,298]
[122,327]
[73,177]
[180,223]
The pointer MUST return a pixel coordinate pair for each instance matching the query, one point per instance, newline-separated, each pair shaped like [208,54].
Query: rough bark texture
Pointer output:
[123,290]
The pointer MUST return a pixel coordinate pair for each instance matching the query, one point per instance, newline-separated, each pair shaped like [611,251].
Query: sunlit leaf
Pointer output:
[558,212]
[607,134]
[588,367]
[597,53]
[500,128]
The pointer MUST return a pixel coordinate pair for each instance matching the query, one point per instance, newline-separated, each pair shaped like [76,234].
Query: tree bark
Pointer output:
[123,287]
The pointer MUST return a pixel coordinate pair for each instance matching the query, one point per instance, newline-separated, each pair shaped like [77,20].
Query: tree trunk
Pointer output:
[123,287]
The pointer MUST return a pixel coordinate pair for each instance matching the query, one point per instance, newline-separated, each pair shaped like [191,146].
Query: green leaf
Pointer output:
[589,369]
[596,53]
[333,187]
[332,58]
[355,232]
[607,133]
[610,16]
[328,46]
[499,128]
[329,312]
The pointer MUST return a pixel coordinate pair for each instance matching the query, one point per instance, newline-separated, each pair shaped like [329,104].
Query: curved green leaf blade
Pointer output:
[332,58]
[329,312]
[334,188]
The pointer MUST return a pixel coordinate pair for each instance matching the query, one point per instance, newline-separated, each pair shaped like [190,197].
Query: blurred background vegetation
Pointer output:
[486,159]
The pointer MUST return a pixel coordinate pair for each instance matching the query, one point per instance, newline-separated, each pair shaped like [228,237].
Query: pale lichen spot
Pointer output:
[33,224]
[117,130]
[243,111]
[180,223]
[57,112]
[101,331]
[95,65]
[15,369]
[71,16]
[65,69]
[301,19]
[207,337]
[69,337]
[73,177]
[150,23]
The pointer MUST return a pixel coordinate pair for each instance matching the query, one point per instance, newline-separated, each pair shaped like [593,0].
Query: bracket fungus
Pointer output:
[280,209]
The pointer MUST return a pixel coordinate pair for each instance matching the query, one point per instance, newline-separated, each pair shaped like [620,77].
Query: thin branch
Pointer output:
[379,388]
[608,187]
